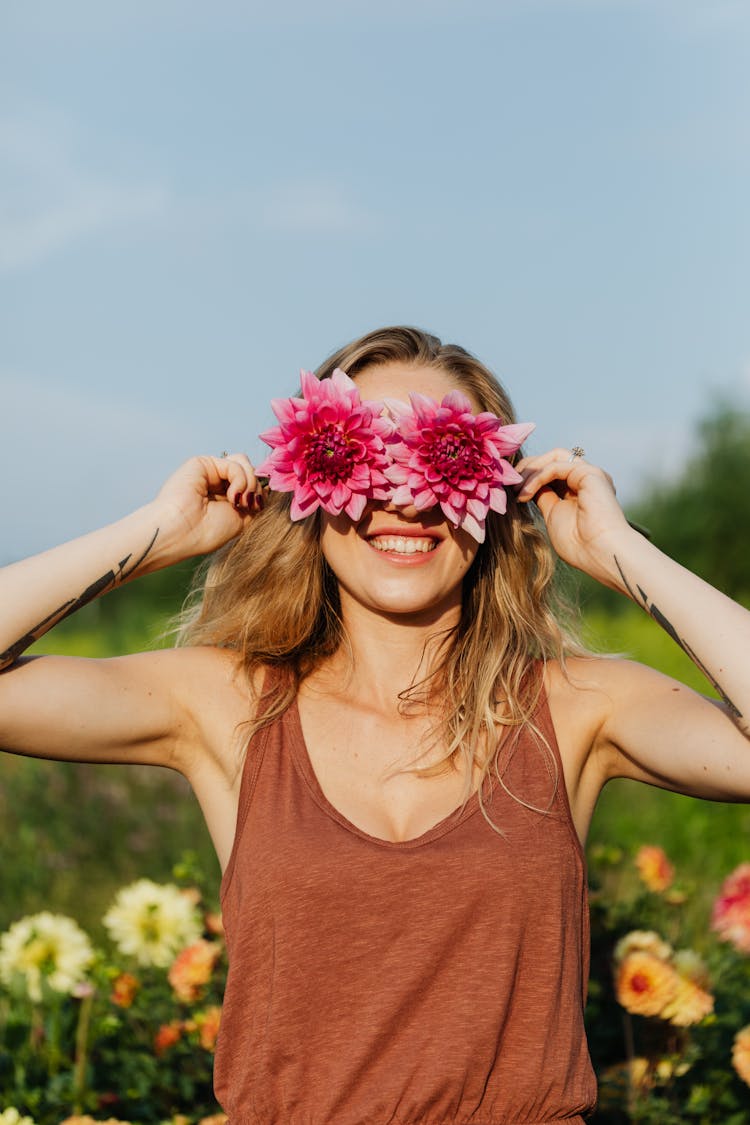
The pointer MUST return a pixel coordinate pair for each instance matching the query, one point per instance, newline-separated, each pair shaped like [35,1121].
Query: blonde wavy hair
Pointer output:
[271,596]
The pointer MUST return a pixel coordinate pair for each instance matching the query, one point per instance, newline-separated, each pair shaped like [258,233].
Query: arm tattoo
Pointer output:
[125,569]
[643,599]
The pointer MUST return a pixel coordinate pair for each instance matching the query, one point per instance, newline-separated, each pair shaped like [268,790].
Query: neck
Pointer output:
[383,655]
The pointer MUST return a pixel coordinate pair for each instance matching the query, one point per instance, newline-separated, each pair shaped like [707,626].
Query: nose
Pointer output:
[408,511]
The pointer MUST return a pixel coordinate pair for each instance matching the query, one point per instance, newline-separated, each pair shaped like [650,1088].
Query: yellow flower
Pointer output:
[151,921]
[643,941]
[741,1054]
[645,984]
[654,868]
[192,969]
[45,948]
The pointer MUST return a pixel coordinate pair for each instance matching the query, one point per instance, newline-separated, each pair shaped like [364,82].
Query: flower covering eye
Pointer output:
[336,451]
[329,449]
[450,456]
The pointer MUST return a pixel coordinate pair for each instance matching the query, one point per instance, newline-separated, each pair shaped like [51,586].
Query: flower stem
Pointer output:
[82,1042]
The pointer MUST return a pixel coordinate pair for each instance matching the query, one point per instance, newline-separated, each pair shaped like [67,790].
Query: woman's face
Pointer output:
[396,560]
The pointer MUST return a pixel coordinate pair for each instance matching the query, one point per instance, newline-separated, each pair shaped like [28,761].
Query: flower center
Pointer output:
[328,452]
[456,455]
[639,982]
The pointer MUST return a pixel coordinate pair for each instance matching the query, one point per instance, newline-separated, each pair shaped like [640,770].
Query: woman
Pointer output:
[396,747]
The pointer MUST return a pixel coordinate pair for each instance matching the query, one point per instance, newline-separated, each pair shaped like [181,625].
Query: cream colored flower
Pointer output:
[642,941]
[151,921]
[45,947]
[645,984]
[11,1116]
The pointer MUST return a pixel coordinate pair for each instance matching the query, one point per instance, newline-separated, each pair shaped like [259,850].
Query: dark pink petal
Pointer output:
[425,498]
[304,504]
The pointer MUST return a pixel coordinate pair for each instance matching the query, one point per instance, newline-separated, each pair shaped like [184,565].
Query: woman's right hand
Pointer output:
[211,500]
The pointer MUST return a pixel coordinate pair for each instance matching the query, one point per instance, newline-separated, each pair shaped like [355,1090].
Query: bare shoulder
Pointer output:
[215,699]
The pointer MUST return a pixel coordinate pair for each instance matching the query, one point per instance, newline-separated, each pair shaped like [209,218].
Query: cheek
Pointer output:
[336,532]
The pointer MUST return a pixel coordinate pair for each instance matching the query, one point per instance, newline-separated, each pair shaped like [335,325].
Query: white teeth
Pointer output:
[403,544]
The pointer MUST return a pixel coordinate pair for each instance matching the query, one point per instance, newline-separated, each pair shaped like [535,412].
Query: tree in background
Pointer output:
[701,518]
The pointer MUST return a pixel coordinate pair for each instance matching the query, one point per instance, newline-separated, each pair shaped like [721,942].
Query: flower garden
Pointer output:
[126,1033]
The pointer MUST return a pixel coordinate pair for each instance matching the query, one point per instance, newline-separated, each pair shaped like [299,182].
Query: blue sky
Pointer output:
[196,200]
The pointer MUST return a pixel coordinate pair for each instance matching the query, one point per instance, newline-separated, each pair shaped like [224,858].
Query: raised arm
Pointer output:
[655,728]
[124,708]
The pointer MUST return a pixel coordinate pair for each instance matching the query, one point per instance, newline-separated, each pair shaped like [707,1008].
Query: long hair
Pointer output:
[270,595]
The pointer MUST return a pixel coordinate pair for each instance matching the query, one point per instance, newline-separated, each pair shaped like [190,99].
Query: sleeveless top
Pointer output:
[437,980]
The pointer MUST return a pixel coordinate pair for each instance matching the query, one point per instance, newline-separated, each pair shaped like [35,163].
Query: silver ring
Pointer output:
[577,451]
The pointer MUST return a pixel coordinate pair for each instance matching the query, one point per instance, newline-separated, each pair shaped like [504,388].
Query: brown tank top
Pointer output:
[439,980]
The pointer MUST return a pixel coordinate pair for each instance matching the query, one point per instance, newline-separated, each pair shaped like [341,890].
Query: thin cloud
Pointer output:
[49,201]
[313,208]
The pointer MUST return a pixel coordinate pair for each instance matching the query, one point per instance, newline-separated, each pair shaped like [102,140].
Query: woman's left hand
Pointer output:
[578,504]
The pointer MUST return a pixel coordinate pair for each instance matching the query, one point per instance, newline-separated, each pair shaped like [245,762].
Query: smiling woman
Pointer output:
[372,659]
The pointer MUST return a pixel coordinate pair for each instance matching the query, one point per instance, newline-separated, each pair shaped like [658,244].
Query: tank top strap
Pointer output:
[251,766]
[561,801]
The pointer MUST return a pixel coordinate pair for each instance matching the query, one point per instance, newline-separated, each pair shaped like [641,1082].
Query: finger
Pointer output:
[231,479]
[545,500]
[249,494]
[557,471]
[539,460]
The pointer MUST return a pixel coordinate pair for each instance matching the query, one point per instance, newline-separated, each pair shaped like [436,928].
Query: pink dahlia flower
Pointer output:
[731,912]
[448,455]
[329,449]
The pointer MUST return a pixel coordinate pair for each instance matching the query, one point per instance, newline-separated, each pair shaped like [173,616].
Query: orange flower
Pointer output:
[124,988]
[645,984]
[207,1023]
[215,925]
[731,913]
[654,868]
[85,1119]
[166,1037]
[192,969]
[741,1054]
